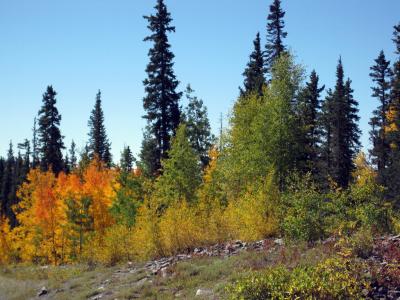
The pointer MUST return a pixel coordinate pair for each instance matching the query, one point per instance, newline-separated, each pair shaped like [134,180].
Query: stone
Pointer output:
[203,292]
[279,242]
[43,291]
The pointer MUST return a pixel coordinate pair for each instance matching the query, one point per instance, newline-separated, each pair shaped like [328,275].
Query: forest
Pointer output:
[288,165]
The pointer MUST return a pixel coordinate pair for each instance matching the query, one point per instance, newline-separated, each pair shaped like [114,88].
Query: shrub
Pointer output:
[333,278]
[303,211]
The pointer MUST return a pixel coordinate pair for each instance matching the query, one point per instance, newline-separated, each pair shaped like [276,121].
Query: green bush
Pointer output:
[303,211]
[334,278]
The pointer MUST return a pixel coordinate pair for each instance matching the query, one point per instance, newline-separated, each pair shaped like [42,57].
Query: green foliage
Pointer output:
[161,101]
[129,197]
[99,144]
[181,172]
[263,131]
[332,279]
[198,126]
[303,208]
[50,138]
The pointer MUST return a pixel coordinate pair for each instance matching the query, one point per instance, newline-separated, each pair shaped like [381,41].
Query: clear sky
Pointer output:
[80,46]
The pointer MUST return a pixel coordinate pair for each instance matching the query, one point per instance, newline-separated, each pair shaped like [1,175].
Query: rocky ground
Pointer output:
[200,274]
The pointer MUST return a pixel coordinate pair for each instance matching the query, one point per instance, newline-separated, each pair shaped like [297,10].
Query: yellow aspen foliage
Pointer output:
[146,235]
[98,186]
[179,230]
[210,208]
[254,215]
[40,236]
[363,173]
[5,243]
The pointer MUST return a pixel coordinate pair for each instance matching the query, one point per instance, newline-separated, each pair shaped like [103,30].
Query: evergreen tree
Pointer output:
[344,138]
[50,138]
[98,141]
[309,115]
[127,160]
[326,126]
[72,156]
[161,102]
[275,34]
[149,154]
[254,79]
[8,187]
[381,75]
[35,147]
[26,147]
[67,164]
[198,126]
[393,129]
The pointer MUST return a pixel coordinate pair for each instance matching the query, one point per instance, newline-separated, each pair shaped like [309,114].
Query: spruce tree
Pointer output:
[50,138]
[35,147]
[254,79]
[275,34]
[309,115]
[381,75]
[127,160]
[198,126]
[98,142]
[344,130]
[8,187]
[26,147]
[149,154]
[72,156]
[161,102]
[393,136]
[326,126]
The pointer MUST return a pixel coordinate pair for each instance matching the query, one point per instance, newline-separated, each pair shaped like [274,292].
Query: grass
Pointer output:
[122,282]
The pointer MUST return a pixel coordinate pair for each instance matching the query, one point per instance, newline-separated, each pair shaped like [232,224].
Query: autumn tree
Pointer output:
[181,172]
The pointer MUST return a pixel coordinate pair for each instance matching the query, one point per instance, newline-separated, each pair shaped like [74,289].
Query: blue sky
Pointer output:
[82,46]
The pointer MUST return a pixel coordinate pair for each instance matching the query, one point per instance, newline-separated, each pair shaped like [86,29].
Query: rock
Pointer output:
[164,272]
[279,242]
[43,291]
[203,292]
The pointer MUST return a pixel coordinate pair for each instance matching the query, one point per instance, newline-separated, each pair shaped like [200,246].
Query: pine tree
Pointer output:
[98,142]
[26,147]
[149,154]
[254,79]
[309,115]
[72,156]
[198,126]
[50,138]
[344,130]
[8,187]
[275,34]
[326,126]
[127,160]
[161,102]
[35,147]
[381,75]
[393,129]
